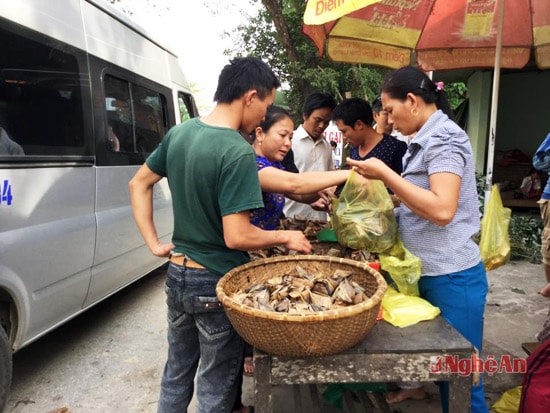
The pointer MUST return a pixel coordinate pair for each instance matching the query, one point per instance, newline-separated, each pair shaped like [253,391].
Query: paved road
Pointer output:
[107,360]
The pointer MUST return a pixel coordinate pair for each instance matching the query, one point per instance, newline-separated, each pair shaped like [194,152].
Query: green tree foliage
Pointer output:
[275,36]
[457,94]
[525,236]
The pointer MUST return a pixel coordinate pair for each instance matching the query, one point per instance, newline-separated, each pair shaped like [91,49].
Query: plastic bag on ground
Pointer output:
[508,402]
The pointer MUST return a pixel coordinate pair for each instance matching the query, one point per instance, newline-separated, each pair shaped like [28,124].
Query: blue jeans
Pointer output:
[461,297]
[198,329]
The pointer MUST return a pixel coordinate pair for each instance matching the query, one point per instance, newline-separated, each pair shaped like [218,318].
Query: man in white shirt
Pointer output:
[312,152]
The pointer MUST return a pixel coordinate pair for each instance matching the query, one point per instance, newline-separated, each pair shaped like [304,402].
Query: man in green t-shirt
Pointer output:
[214,184]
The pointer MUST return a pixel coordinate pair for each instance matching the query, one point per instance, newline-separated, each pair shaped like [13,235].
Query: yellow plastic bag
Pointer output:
[403,310]
[494,244]
[403,267]
[508,402]
[363,216]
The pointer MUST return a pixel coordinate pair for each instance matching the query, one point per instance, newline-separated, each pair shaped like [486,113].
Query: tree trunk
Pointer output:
[275,11]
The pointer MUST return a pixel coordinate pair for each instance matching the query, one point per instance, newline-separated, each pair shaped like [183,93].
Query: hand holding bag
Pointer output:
[363,216]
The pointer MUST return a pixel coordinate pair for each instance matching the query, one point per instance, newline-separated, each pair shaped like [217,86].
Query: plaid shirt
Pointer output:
[541,162]
[442,146]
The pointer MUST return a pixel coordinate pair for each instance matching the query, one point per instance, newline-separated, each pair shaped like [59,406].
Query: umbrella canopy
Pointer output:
[444,34]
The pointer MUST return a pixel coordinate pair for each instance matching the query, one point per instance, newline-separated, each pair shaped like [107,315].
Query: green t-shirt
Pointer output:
[211,172]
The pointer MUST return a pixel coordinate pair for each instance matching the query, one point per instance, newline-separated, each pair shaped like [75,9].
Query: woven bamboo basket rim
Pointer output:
[351,310]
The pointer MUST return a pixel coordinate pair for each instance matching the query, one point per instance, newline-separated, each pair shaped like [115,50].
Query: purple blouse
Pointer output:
[268,217]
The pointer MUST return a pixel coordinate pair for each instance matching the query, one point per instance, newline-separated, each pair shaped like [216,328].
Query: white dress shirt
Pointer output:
[309,155]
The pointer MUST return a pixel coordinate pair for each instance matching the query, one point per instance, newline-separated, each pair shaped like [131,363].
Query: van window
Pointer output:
[40,95]
[136,116]
[185,103]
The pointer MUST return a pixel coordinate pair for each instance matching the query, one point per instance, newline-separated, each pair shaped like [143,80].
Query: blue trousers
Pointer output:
[198,330]
[461,297]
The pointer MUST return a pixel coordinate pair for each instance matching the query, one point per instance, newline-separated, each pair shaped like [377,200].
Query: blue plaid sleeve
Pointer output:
[541,159]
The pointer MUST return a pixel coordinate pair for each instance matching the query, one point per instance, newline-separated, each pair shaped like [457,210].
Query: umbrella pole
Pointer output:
[494,106]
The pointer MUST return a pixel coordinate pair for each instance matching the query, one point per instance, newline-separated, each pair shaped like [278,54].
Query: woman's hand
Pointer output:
[369,168]
[324,203]
[320,205]
[396,201]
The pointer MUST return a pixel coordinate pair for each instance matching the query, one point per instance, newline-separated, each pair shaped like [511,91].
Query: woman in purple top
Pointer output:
[272,141]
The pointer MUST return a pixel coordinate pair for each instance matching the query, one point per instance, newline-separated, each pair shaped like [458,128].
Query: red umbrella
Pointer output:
[444,34]
[438,35]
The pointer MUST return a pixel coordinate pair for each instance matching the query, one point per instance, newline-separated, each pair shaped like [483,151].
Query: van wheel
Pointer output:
[5,368]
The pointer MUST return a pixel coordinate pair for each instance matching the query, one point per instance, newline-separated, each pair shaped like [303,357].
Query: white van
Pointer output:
[85,96]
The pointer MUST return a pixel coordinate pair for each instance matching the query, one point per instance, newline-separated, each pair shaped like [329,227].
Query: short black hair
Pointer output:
[243,74]
[377,105]
[351,110]
[318,100]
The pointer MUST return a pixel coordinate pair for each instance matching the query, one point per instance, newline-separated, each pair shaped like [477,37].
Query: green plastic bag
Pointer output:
[403,310]
[334,392]
[363,216]
[494,244]
[403,267]
[508,402]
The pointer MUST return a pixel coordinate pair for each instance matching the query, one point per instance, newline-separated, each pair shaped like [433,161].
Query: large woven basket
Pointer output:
[297,335]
